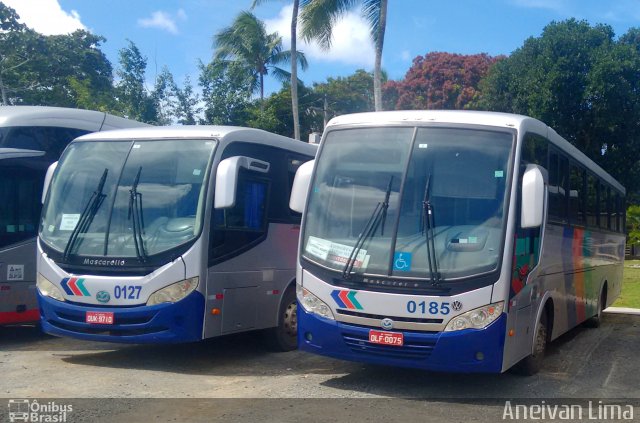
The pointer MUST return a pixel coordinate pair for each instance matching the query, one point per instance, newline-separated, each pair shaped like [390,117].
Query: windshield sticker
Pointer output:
[335,253]
[15,272]
[318,247]
[197,172]
[51,228]
[137,145]
[402,261]
[69,221]
[423,145]
[498,174]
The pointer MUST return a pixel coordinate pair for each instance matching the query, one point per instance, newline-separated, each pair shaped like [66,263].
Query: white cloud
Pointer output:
[163,20]
[351,43]
[405,55]
[46,16]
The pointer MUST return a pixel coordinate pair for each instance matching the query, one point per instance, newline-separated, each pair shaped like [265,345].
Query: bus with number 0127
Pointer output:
[452,240]
[171,234]
[31,138]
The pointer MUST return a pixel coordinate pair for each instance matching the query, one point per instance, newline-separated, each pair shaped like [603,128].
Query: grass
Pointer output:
[630,295]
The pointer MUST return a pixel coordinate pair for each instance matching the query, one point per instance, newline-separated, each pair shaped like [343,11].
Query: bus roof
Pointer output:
[470,117]
[89,120]
[225,134]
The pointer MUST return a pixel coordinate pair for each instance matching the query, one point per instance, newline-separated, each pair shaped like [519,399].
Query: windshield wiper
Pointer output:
[87,215]
[427,210]
[378,217]
[135,212]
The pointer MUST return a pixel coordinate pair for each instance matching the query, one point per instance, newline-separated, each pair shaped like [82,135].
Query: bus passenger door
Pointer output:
[238,228]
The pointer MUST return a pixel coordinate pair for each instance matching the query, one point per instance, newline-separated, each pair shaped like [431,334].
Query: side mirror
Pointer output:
[300,187]
[532,206]
[47,180]
[227,178]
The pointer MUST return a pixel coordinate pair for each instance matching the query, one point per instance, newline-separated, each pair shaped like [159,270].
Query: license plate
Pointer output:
[99,317]
[386,338]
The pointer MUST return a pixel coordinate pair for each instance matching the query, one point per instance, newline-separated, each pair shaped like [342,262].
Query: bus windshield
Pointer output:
[372,190]
[127,199]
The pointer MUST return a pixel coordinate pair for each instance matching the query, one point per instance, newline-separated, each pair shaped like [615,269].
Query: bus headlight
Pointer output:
[478,318]
[174,292]
[313,304]
[48,289]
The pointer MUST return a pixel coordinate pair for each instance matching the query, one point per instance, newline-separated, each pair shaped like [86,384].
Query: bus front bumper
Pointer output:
[162,323]
[468,351]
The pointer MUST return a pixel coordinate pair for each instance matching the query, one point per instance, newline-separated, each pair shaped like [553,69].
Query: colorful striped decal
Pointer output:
[346,299]
[74,287]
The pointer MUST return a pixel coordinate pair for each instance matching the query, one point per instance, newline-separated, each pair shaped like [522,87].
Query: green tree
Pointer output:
[319,17]
[275,116]
[351,94]
[247,42]
[633,224]
[134,99]
[297,4]
[60,70]
[583,83]
[226,92]
[187,103]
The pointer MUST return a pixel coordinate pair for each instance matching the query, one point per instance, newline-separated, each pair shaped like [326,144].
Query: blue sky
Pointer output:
[179,33]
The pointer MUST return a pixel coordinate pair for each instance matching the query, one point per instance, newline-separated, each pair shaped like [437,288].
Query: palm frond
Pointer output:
[319,17]
[371,13]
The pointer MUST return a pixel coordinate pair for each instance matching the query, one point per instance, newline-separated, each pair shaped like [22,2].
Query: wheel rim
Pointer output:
[290,321]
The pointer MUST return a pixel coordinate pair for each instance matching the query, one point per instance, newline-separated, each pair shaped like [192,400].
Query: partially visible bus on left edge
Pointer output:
[31,138]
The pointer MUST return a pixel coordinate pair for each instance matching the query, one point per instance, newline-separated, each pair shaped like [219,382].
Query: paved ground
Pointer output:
[583,364]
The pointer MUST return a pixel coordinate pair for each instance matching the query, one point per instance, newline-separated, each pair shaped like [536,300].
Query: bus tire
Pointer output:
[595,321]
[532,364]
[284,337]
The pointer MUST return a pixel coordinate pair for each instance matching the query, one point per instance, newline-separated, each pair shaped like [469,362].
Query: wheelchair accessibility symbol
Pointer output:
[402,262]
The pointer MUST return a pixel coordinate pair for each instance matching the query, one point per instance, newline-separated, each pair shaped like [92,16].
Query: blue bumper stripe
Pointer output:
[162,323]
[442,351]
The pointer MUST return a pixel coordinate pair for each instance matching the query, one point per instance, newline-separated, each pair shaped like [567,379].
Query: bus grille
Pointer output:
[411,350]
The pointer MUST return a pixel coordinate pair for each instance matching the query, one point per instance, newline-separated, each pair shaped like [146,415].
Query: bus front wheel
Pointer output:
[284,337]
[532,364]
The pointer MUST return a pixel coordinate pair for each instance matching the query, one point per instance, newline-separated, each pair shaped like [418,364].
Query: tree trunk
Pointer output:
[261,91]
[294,71]
[377,70]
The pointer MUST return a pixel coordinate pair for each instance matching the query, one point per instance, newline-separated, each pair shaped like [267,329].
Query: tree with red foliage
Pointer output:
[439,81]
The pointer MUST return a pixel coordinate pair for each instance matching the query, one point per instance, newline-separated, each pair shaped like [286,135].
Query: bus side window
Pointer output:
[603,208]
[576,196]
[238,228]
[592,201]
[20,214]
[51,140]
[534,150]
[615,207]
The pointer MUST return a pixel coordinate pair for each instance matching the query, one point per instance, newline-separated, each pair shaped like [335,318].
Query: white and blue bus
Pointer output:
[31,138]
[452,241]
[171,234]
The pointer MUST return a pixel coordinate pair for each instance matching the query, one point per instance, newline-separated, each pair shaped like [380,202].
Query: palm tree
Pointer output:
[246,42]
[319,17]
[297,4]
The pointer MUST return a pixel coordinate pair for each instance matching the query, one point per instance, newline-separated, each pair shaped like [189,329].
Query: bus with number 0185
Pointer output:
[171,234]
[31,138]
[452,240]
